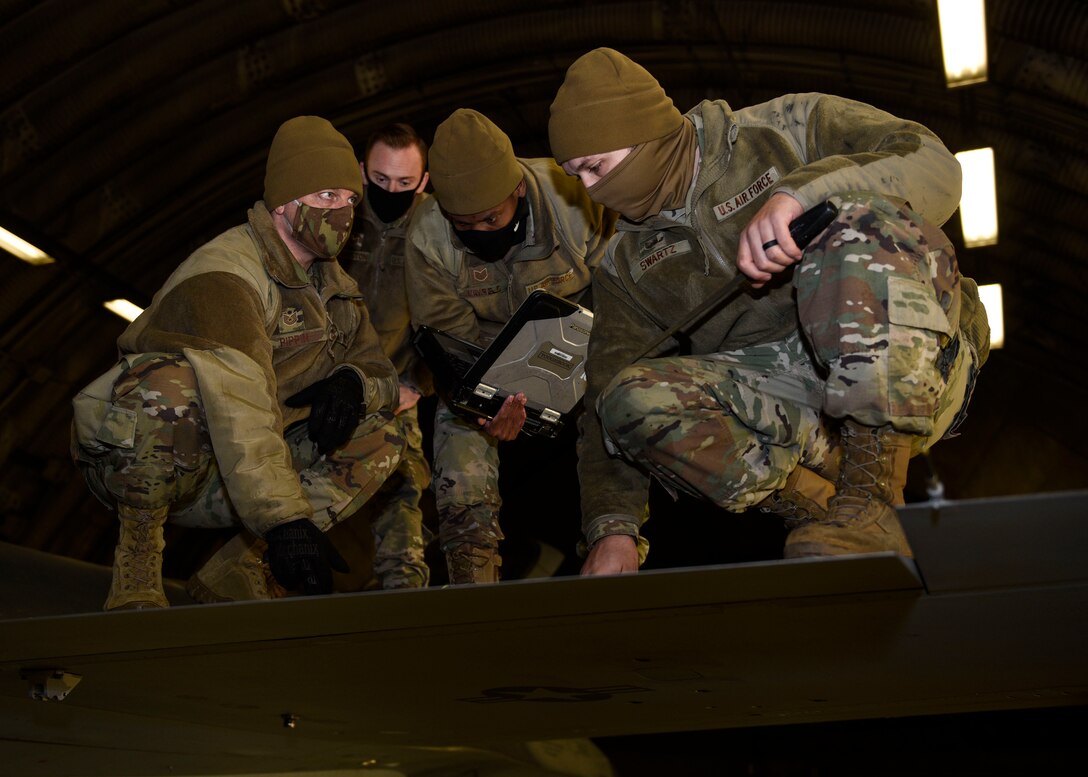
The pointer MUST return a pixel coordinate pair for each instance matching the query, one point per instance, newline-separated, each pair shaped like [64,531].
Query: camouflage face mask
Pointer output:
[322,230]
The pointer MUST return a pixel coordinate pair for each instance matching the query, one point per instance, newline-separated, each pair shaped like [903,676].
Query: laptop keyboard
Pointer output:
[458,365]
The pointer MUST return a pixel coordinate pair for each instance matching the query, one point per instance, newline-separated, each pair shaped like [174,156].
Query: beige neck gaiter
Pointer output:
[654,177]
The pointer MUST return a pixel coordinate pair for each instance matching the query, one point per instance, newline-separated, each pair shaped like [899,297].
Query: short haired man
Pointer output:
[394,177]
[253,390]
[498,228]
[873,340]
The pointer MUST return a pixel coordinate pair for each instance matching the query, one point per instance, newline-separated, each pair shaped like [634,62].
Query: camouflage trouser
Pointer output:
[398,524]
[169,460]
[876,295]
[727,427]
[879,300]
[466,482]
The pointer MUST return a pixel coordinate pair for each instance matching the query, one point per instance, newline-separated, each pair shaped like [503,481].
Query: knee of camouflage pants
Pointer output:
[155,449]
[699,427]
[878,299]
[337,484]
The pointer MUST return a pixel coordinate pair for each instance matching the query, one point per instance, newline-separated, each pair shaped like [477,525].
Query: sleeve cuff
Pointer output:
[613,523]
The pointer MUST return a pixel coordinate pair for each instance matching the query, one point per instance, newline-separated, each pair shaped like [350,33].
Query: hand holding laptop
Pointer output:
[508,421]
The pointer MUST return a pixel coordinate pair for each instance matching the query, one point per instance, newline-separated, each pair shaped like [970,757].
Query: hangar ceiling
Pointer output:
[132,132]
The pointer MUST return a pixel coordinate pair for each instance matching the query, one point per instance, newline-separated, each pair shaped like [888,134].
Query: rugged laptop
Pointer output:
[541,352]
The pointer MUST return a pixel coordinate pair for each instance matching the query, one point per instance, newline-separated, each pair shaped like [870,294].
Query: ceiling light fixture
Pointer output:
[963,40]
[990,295]
[124,309]
[978,202]
[30,254]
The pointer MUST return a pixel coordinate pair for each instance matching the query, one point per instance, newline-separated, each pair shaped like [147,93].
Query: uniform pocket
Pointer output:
[912,303]
[918,329]
[90,407]
[118,428]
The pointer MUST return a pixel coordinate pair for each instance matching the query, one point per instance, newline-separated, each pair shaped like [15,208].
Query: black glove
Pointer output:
[336,402]
[302,557]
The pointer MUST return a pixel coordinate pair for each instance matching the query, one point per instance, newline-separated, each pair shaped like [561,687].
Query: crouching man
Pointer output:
[807,397]
[253,391]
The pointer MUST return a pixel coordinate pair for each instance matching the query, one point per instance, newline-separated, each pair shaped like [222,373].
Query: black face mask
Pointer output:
[493,246]
[388,206]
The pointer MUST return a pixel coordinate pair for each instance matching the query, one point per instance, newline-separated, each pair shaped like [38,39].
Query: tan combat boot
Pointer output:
[472,564]
[237,572]
[803,498]
[861,517]
[137,562]
[806,492]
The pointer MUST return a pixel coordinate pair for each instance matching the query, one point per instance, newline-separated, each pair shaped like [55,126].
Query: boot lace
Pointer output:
[861,482]
[794,515]
[143,562]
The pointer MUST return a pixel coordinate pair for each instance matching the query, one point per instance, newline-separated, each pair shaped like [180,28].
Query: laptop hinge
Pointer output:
[484,390]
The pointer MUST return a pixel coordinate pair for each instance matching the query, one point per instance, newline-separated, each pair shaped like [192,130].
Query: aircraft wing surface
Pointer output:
[992,614]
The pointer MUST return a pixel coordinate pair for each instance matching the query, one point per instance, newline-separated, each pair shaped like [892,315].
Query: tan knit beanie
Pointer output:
[472,164]
[607,102]
[308,155]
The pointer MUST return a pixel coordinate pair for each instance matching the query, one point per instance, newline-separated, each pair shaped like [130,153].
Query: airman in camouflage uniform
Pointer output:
[499,228]
[394,178]
[807,395]
[253,390]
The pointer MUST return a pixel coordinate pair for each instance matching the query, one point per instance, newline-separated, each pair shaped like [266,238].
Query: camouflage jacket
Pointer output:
[807,145]
[257,328]
[374,257]
[452,289]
